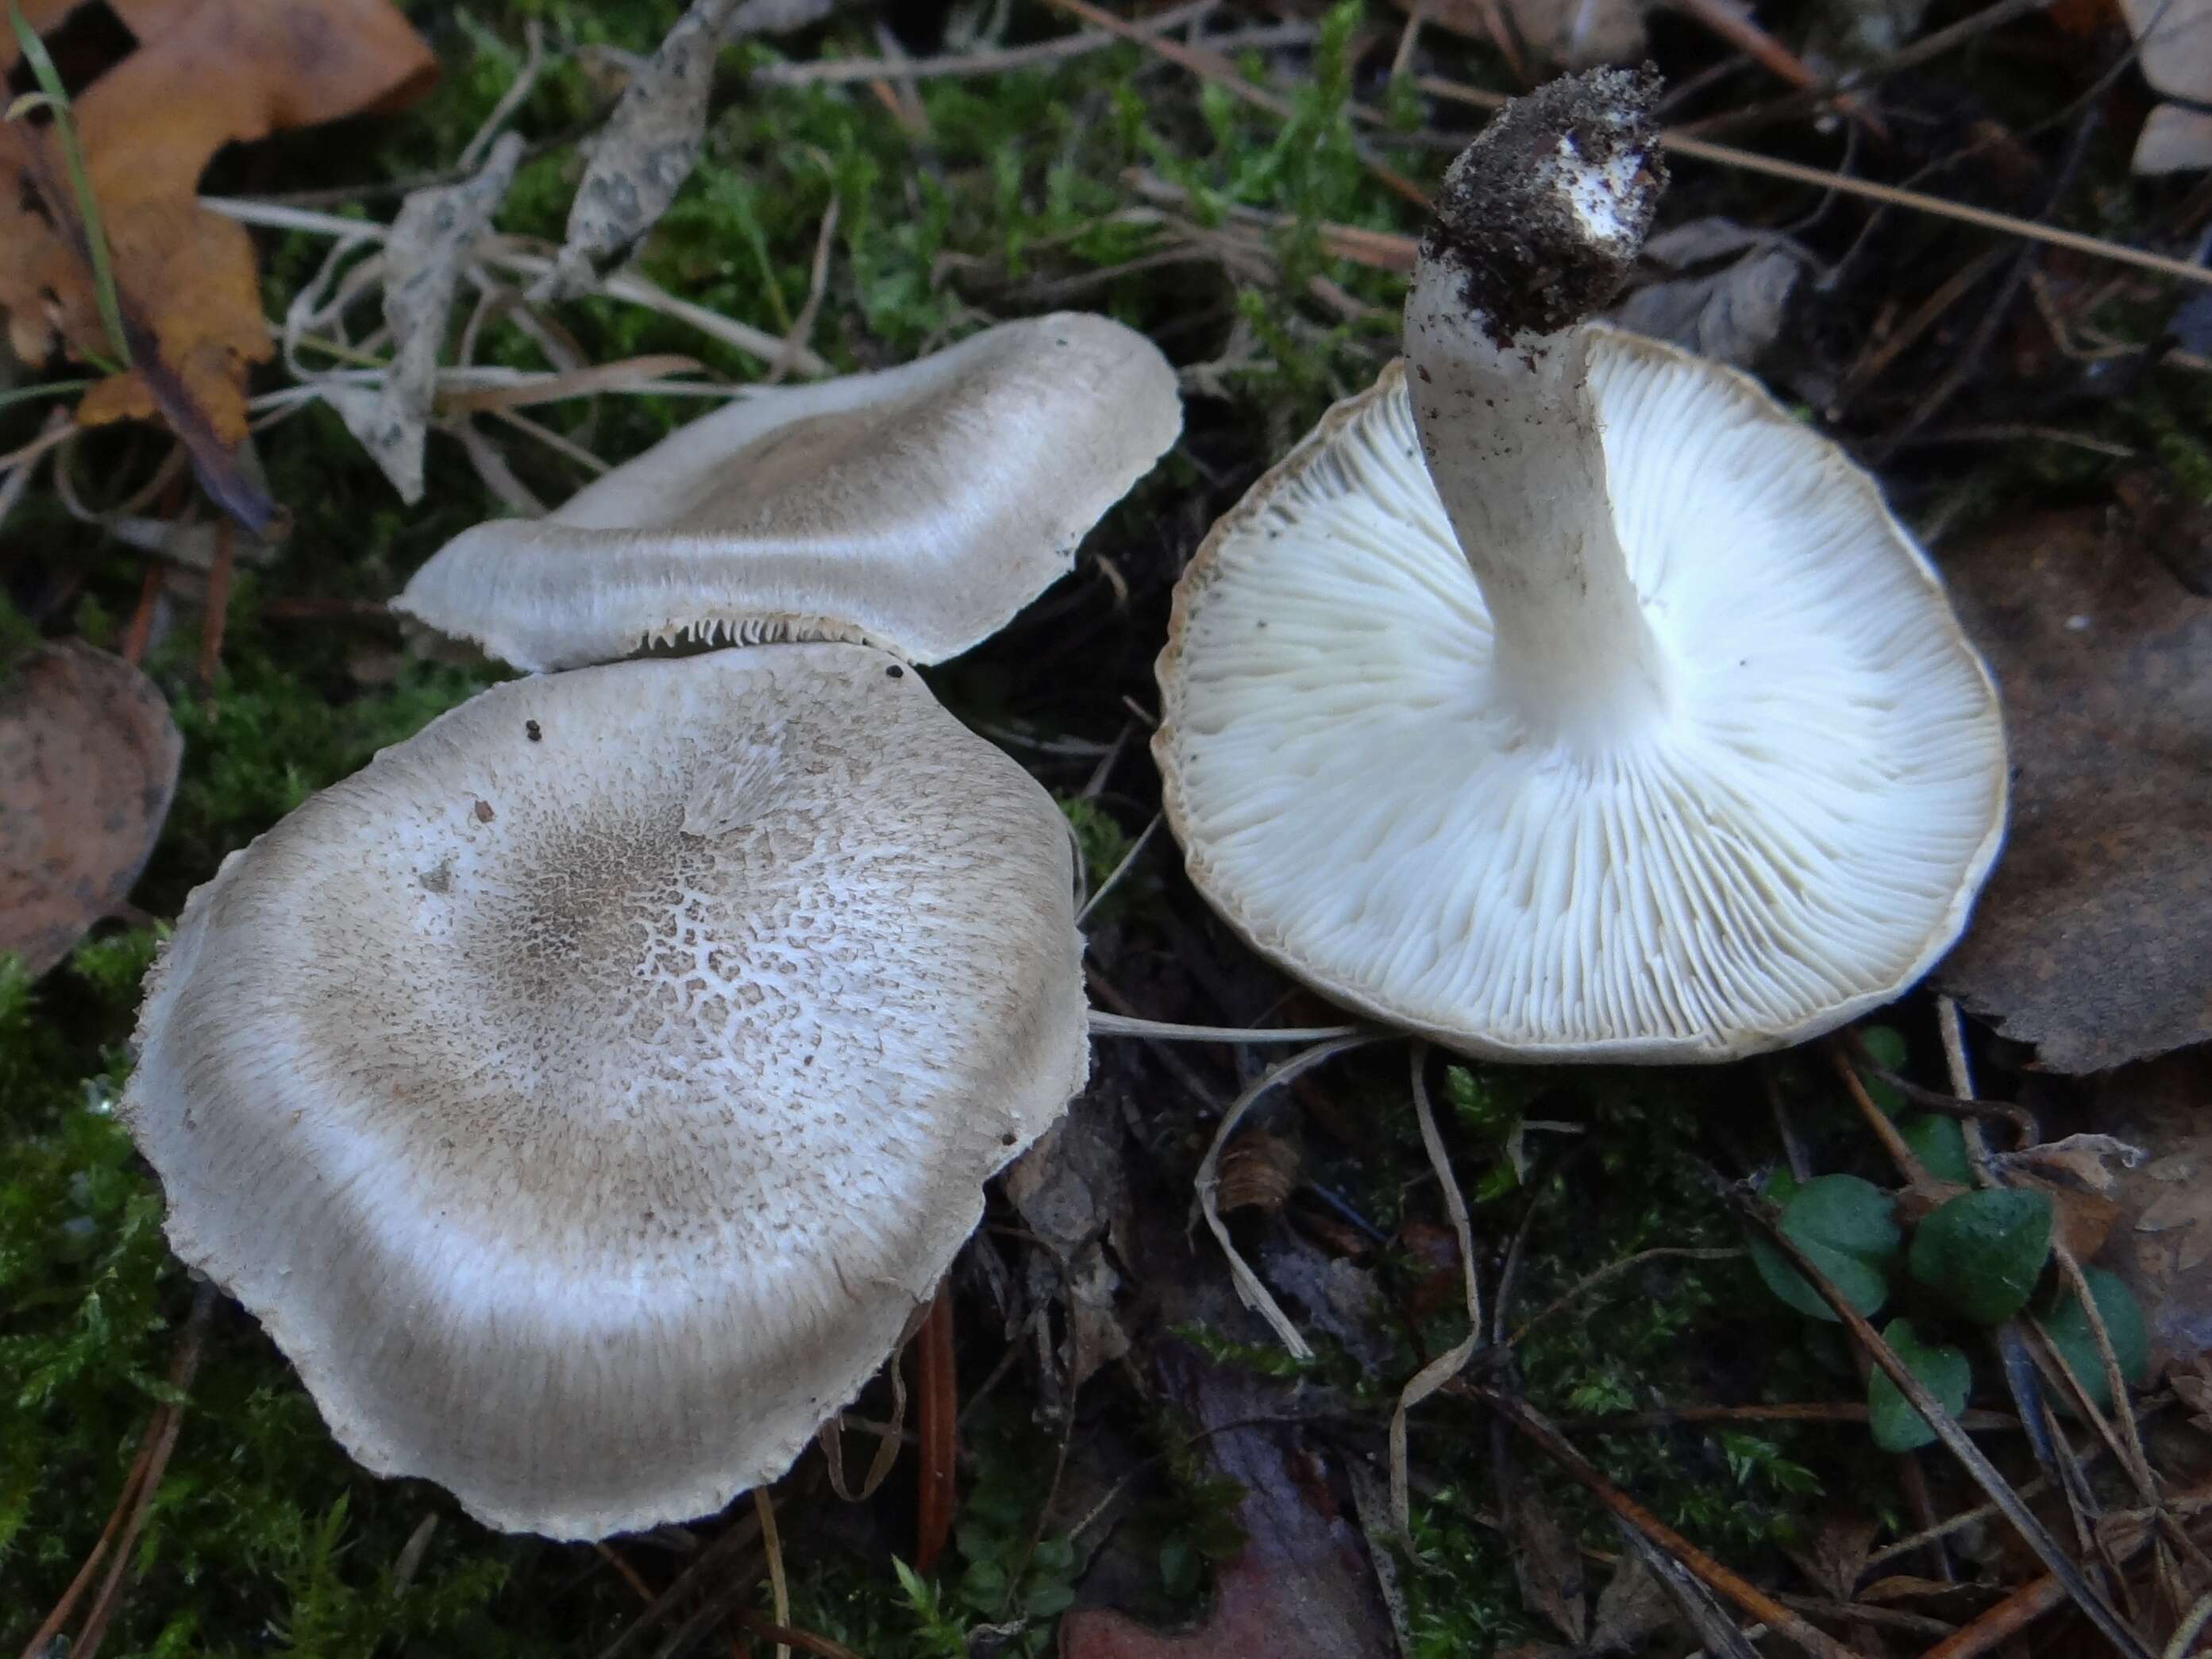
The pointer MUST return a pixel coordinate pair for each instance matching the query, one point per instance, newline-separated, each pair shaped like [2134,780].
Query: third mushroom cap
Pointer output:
[916,508]
[1561,697]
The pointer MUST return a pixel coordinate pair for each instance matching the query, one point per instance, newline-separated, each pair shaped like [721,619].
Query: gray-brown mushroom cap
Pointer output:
[586,1093]
[918,508]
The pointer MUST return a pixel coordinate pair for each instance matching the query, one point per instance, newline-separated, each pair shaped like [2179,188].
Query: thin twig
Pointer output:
[837,71]
[1124,1026]
[788,1636]
[182,1369]
[1717,1578]
[1129,858]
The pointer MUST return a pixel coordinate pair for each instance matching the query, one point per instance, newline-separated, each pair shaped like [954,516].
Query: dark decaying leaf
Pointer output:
[1301,1587]
[88,759]
[1634,1608]
[2089,941]
[1836,1557]
[1726,293]
[1546,1566]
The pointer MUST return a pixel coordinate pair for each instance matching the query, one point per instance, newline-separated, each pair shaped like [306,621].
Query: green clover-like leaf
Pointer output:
[1983,1251]
[1848,1227]
[1943,1370]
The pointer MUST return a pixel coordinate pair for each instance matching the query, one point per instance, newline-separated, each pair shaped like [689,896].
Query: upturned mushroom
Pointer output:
[916,509]
[584,1094]
[1562,697]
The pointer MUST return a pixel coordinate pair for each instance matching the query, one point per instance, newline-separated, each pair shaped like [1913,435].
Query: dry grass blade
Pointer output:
[1449,1364]
[1256,1295]
[2094,1607]
[1128,1025]
[627,374]
[80,178]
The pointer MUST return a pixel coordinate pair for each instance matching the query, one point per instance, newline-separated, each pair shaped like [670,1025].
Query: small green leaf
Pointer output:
[1942,1370]
[1849,1228]
[2067,1324]
[1939,1144]
[1983,1251]
[1885,1047]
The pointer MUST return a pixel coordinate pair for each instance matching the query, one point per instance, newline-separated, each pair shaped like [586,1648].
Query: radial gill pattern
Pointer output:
[1796,840]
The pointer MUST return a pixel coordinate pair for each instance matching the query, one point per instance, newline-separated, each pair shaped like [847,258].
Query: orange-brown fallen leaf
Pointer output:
[206,73]
[88,759]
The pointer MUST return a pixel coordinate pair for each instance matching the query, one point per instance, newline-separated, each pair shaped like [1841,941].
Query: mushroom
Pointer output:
[917,509]
[584,1094]
[1560,696]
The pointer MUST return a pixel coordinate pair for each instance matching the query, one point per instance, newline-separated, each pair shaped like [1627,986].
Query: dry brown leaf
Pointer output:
[206,73]
[1838,1553]
[1547,1566]
[2162,1240]
[430,242]
[88,759]
[1729,293]
[646,151]
[2089,939]
[1632,1609]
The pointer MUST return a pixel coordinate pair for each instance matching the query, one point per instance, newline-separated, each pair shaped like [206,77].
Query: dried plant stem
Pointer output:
[779,1588]
[1815,1411]
[834,71]
[936,1417]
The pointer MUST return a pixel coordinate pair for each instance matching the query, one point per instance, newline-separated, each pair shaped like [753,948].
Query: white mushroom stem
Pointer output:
[1537,225]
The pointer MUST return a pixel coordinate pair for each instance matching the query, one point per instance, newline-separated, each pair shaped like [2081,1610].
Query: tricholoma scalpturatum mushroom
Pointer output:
[1561,697]
[587,1094]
